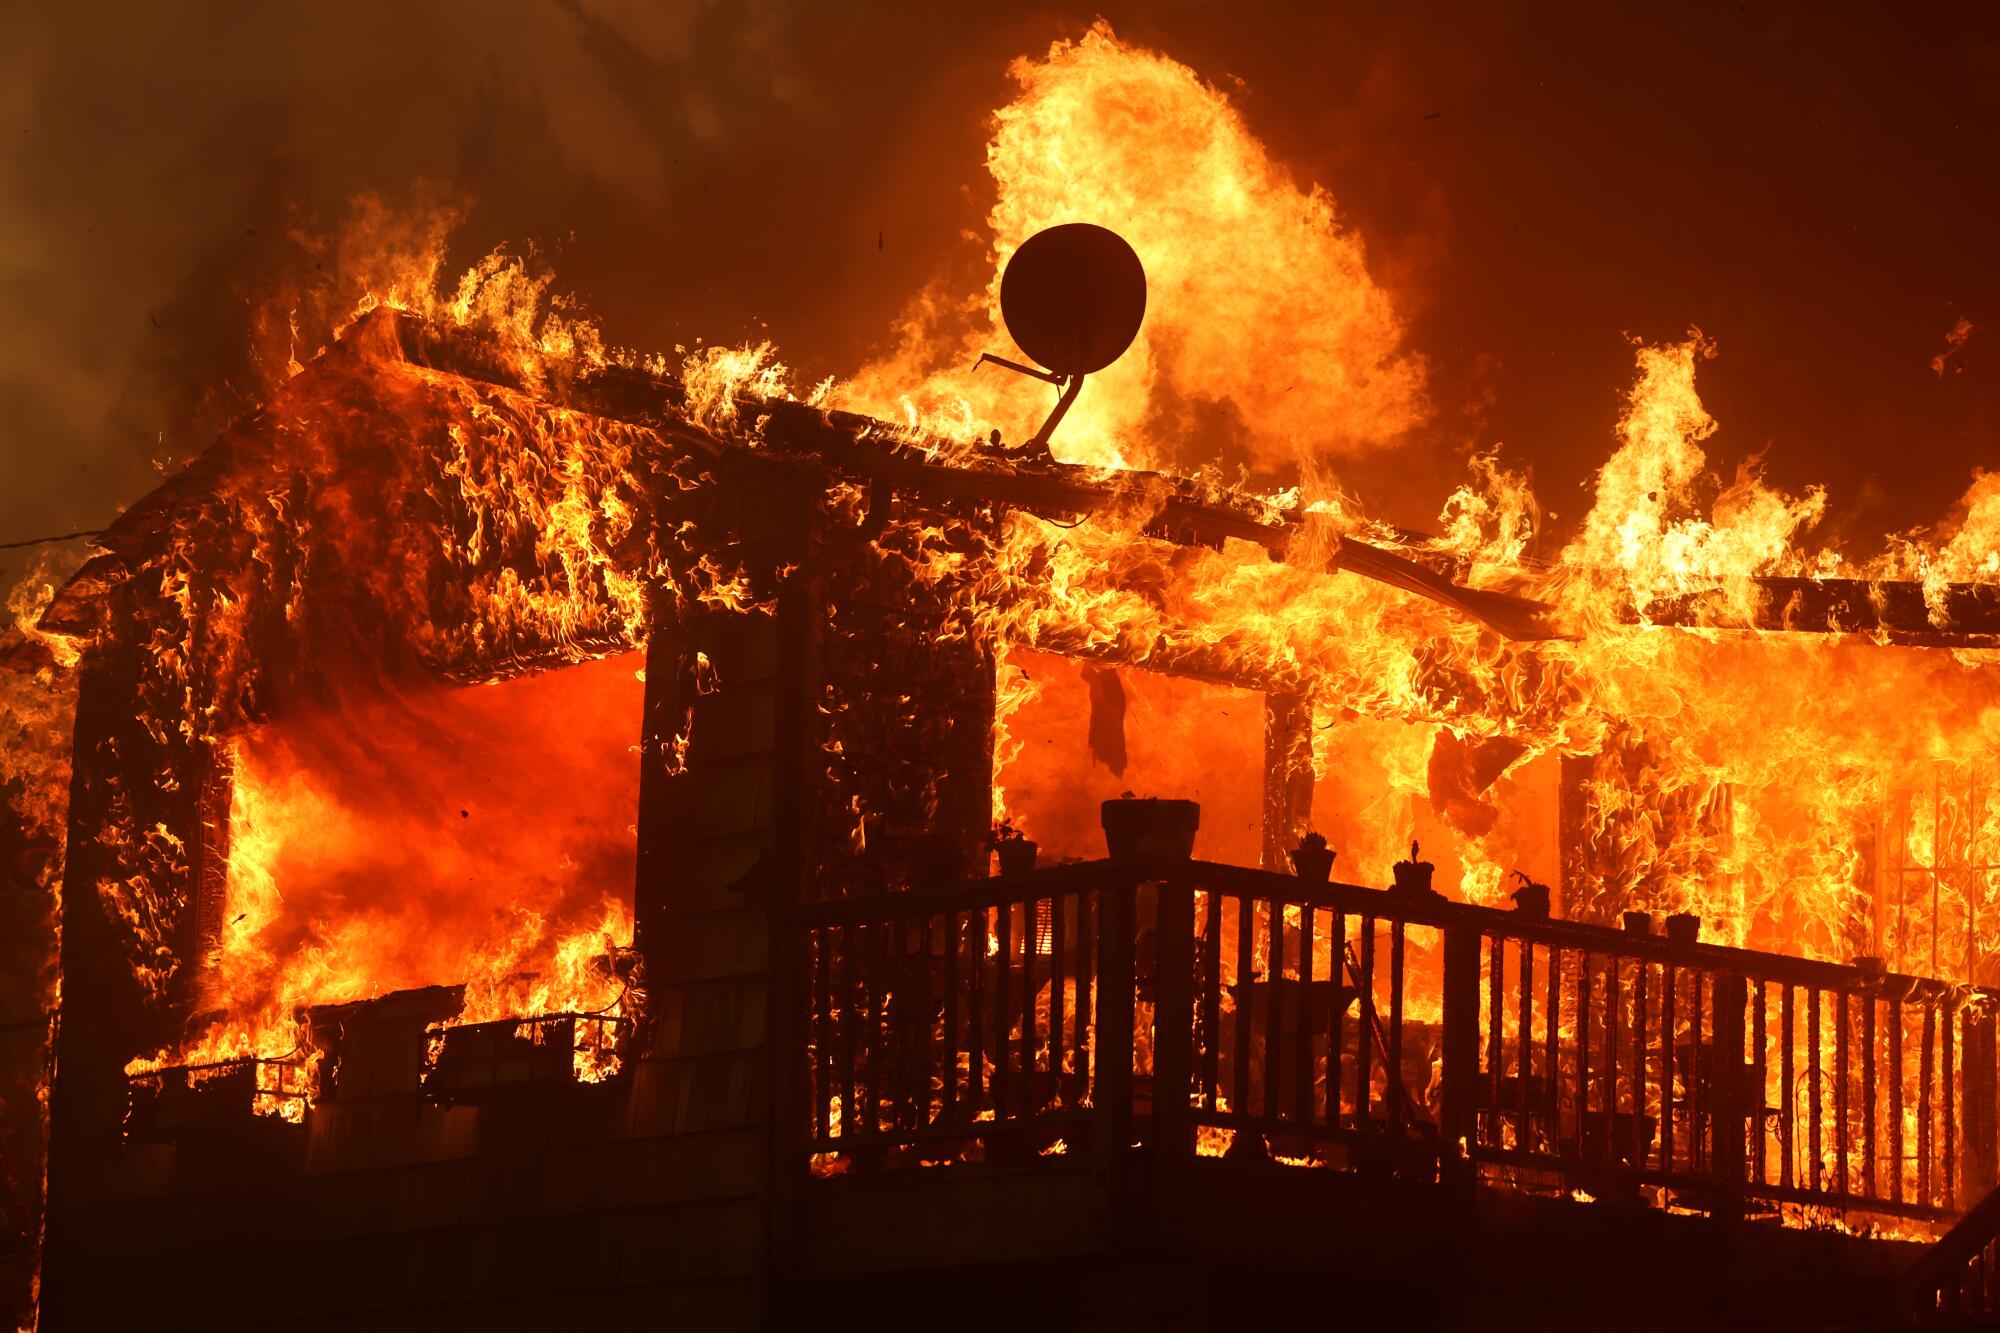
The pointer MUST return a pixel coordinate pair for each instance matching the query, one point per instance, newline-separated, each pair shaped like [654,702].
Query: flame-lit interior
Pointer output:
[1076,734]
[480,835]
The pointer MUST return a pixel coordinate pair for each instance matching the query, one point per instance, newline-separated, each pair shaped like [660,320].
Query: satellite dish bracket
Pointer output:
[1071,385]
[1046,376]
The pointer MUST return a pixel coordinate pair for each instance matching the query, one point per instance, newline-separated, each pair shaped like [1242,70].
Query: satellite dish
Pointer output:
[1073,298]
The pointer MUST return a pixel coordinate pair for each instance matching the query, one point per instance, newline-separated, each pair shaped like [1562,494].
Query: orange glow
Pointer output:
[480,835]
[1181,738]
[1266,342]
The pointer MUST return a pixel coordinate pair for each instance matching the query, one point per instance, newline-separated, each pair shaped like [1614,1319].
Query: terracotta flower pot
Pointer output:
[1017,855]
[1683,928]
[1413,877]
[1532,900]
[1313,864]
[1149,827]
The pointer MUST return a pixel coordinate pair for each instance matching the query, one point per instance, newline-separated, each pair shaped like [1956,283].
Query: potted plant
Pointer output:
[1413,877]
[1638,923]
[1015,850]
[1312,859]
[1683,928]
[1531,899]
[1149,827]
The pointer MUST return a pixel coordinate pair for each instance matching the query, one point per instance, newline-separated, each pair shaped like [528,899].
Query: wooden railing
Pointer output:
[944,1019]
[1957,1280]
[1202,1007]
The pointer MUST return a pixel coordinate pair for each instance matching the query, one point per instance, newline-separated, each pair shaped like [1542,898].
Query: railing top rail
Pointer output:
[1359,900]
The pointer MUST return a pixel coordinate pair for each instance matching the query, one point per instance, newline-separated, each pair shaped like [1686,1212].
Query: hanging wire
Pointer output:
[45,541]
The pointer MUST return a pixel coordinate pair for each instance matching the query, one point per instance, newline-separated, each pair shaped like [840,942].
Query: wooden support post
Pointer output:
[1461,1039]
[1173,1024]
[1731,1108]
[1980,1163]
[1288,776]
[1112,1095]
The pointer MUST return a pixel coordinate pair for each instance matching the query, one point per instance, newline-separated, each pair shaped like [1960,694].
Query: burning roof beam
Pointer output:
[1957,615]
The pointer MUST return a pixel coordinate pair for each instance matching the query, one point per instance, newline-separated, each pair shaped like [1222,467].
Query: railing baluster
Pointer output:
[1924,1107]
[1609,1092]
[1086,972]
[1364,1045]
[953,941]
[1552,1046]
[1304,1057]
[1211,999]
[1813,1129]
[1336,1019]
[975,1013]
[1271,1100]
[1246,955]
[1524,1063]
[1700,1081]
[1868,1095]
[1399,1093]
[1030,1095]
[823,1092]
[1896,1097]
[1760,1089]
[1789,1096]
[1841,1098]
[1495,996]
[850,1015]
[1642,1140]
[1058,1001]
[883,1065]
[1583,988]
[1003,1050]
[1947,1038]
[921,1084]
[1669,997]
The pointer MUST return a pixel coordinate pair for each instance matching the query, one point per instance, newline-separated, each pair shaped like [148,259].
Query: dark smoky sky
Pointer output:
[1814,186]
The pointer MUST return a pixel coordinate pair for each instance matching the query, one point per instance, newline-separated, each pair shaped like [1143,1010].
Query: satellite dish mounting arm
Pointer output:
[1071,386]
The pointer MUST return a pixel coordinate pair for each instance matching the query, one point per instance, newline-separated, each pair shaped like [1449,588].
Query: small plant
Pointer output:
[1414,876]
[1312,859]
[1015,849]
[1531,899]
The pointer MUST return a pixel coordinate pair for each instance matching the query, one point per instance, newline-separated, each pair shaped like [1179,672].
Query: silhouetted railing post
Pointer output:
[1111,1090]
[1733,1107]
[1461,1039]
[1173,1022]
[1978,1164]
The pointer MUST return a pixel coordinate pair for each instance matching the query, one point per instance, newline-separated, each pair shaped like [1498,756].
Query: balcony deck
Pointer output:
[1104,1057]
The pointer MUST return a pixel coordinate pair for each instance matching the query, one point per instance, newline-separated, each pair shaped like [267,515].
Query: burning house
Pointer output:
[532,859]
[550,837]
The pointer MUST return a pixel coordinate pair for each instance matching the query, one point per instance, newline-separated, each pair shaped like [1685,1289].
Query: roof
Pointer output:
[880,455]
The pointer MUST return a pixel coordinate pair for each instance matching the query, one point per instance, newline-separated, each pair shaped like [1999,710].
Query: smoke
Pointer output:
[771,169]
